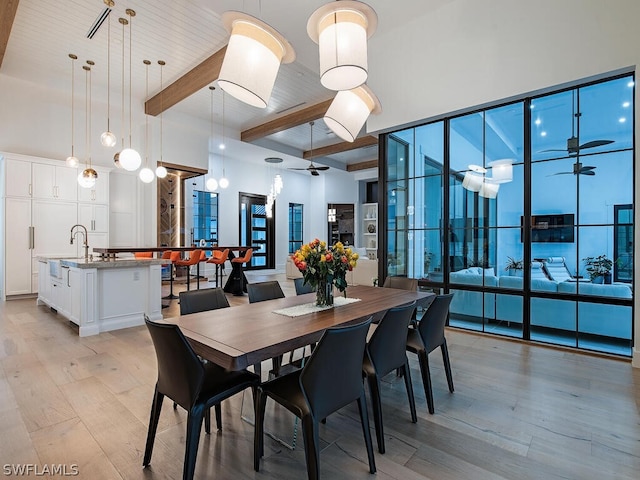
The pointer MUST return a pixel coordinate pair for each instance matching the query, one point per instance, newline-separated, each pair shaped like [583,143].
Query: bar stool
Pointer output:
[194,259]
[218,258]
[173,257]
[238,278]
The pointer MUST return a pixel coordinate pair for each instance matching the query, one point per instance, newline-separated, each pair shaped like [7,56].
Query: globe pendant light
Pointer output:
[224,181]
[341,30]
[211,183]
[87,178]
[129,158]
[161,171]
[108,139]
[252,60]
[349,110]
[146,174]
[72,161]
[116,157]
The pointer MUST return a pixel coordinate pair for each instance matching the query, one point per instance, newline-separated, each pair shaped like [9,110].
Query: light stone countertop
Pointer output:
[106,263]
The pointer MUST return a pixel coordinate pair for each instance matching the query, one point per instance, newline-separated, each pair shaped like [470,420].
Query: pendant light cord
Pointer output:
[109,72]
[130,56]
[73,60]
[146,116]
[124,22]
[161,63]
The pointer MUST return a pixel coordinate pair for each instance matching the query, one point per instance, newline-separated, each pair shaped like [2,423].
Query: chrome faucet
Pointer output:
[85,242]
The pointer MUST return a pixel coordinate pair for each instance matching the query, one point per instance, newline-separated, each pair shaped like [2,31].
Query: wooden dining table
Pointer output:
[248,334]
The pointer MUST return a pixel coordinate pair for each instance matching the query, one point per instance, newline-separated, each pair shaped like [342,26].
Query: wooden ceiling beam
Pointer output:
[286,122]
[8,9]
[354,167]
[195,79]
[361,142]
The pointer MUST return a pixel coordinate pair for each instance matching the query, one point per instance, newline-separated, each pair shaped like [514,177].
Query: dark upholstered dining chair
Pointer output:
[386,352]
[262,291]
[331,379]
[195,301]
[402,283]
[301,287]
[428,336]
[195,386]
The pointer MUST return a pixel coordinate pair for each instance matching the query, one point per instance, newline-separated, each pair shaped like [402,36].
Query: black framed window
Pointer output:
[295,226]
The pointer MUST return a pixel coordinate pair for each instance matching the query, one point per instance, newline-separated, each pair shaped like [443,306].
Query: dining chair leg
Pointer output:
[447,364]
[423,360]
[207,421]
[364,419]
[258,428]
[218,409]
[311,447]
[194,425]
[409,386]
[374,389]
[156,407]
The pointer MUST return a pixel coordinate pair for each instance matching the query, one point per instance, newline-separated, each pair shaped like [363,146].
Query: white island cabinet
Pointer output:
[101,295]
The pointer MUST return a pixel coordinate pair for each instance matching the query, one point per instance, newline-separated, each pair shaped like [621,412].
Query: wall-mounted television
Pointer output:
[551,228]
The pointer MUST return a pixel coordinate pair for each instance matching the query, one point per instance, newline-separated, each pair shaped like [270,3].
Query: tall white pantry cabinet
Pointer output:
[41,202]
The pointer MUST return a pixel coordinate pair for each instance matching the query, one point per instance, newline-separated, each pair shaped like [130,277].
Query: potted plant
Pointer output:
[514,267]
[599,268]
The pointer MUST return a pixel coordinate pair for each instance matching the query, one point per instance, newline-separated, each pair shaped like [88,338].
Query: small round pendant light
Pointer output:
[87,178]
[146,174]
[72,161]
[161,170]
[129,158]
[108,139]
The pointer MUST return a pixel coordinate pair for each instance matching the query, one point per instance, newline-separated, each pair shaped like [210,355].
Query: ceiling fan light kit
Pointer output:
[341,30]
[349,111]
[252,60]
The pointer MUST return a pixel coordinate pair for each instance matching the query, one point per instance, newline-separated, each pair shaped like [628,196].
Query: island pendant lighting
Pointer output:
[224,181]
[252,60]
[161,171]
[72,161]
[474,178]
[116,157]
[129,158]
[108,139]
[502,170]
[87,178]
[211,183]
[341,30]
[145,173]
[349,111]
[489,188]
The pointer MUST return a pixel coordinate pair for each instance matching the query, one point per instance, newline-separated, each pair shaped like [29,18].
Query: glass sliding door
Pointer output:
[257,230]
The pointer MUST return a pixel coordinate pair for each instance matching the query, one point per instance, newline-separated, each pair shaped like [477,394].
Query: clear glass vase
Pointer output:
[324,292]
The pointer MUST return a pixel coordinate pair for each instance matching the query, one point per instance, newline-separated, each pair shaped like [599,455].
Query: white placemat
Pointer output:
[299,310]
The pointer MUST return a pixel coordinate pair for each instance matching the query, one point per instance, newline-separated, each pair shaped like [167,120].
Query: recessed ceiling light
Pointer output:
[222,146]
[538,121]
[626,104]
[622,119]
[630,84]
[543,134]
[532,106]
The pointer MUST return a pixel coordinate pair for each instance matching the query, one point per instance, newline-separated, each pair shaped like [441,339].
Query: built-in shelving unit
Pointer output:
[369,213]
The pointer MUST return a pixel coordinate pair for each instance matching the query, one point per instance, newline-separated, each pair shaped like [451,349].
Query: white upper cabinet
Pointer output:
[18,176]
[54,182]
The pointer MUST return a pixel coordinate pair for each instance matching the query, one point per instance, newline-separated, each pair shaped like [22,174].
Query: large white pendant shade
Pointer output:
[349,110]
[341,30]
[252,59]
[130,159]
[502,170]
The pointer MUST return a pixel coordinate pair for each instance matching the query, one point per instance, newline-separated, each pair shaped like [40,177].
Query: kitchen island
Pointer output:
[101,295]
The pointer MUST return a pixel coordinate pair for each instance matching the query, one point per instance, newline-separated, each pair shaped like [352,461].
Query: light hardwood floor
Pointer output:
[519,412]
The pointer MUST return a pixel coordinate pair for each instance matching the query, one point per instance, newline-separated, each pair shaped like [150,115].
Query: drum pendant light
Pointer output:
[341,30]
[129,158]
[252,60]
[349,110]
[72,161]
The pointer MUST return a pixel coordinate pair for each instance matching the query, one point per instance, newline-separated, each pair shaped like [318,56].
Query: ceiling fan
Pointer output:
[312,168]
[578,169]
[573,147]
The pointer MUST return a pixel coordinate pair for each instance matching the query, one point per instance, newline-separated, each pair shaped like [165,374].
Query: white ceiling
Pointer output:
[183,33]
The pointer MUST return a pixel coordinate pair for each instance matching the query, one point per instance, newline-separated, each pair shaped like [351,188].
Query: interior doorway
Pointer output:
[257,228]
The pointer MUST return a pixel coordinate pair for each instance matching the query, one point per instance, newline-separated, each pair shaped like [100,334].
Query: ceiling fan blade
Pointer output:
[553,150]
[595,143]
[586,168]
[292,168]
[314,173]
[587,172]
[560,173]
[321,168]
